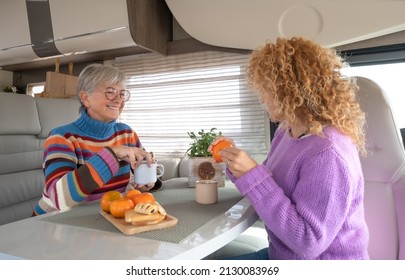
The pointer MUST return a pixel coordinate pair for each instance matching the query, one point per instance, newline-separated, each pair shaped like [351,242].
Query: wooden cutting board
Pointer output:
[71,85]
[55,84]
[129,229]
[55,81]
[71,82]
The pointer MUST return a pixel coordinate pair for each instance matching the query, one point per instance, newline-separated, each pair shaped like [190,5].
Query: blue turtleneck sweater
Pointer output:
[79,166]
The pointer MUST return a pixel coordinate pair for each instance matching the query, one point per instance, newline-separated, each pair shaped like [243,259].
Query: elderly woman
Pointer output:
[95,153]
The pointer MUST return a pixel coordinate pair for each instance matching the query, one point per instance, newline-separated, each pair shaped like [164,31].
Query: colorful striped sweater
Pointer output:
[79,165]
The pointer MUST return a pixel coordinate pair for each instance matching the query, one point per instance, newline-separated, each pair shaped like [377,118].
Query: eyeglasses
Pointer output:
[111,94]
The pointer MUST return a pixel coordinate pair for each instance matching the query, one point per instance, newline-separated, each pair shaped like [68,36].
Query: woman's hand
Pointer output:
[141,188]
[219,139]
[237,160]
[132,155]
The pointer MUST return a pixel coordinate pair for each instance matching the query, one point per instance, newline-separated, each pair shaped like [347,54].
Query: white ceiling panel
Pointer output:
[15,40]
[246,24]
[91,25]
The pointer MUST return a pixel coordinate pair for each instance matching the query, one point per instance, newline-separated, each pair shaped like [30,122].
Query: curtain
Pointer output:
[173,95]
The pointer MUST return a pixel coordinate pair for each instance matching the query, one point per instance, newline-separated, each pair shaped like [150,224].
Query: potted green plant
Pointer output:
[9,88]
[201,142]
[201,165]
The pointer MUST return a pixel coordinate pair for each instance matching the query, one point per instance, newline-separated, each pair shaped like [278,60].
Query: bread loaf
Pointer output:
[146,208]
[132,216]
[145,214]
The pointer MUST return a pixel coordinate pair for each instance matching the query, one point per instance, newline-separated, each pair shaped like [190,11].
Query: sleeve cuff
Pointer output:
[252,178]
[110,158]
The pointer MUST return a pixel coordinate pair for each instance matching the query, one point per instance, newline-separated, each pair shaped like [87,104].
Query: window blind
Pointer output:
[173,95]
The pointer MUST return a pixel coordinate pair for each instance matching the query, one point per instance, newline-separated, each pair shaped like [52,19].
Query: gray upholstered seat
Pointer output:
[384,173]
[25,123]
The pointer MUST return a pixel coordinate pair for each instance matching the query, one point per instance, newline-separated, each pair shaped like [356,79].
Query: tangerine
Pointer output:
[120,205]
[107,198]
[132,192]
[223,144]
[144,198]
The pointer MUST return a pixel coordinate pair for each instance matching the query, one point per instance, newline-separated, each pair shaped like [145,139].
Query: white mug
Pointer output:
[144,174]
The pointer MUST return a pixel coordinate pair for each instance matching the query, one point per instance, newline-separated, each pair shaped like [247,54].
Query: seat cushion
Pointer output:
[54,112]
[171,166]
[21,114]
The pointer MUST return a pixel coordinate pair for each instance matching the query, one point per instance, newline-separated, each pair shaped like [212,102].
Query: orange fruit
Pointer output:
[131,193]
[144,198]
[223,144]
[120,205]
[107,198]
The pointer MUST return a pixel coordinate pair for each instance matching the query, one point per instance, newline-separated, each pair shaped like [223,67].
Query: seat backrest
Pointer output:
[403,135]
[25,123]
[384,174]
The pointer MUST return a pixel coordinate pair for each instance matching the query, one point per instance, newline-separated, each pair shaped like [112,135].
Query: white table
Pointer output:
[34,238]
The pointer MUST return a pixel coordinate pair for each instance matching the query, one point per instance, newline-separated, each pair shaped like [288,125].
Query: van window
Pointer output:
[390,77]
[35,88]
[173,95]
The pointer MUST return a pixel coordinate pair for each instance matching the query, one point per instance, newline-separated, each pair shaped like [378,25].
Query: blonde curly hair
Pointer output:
[303,81]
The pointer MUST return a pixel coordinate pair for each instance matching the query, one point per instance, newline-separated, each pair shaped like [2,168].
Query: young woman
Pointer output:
[309,190]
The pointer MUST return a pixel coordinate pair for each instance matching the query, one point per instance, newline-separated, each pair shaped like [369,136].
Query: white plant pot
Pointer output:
[205,168]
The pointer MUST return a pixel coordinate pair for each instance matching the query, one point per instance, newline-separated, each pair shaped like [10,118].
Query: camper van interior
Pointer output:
[185,63]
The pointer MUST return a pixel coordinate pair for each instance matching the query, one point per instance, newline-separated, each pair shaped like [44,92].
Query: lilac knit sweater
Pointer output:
[309,193]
